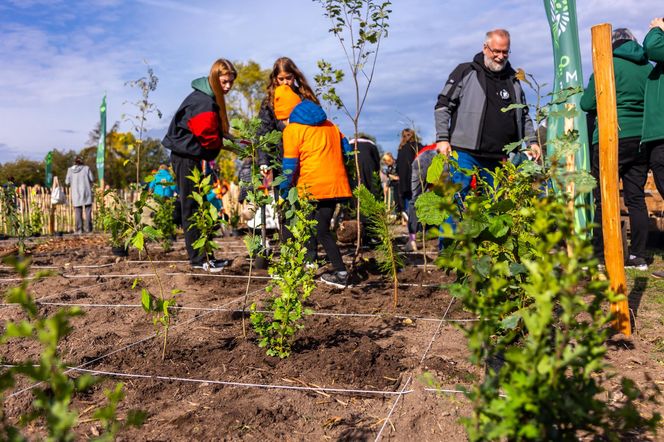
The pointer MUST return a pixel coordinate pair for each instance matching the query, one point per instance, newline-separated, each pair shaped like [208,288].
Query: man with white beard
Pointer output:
[469,116]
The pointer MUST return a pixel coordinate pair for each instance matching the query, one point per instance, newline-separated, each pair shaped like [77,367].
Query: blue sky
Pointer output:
[59,57]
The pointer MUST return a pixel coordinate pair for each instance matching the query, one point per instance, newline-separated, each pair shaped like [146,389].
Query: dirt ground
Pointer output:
[355,372]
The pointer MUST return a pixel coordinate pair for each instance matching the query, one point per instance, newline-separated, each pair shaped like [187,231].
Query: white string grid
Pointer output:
[410,377]
[227,310]
[207,311]
[152,336]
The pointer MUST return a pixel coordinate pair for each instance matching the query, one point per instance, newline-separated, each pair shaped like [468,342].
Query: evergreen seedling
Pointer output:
[389,259]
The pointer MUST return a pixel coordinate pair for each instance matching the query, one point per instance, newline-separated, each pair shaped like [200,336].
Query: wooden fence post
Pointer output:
[607,120]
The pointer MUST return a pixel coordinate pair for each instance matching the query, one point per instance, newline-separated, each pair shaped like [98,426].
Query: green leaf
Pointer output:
[500,225]
[146,300]
[21,329]
[138,241]
[199,243]
[483,266]
[436,169]
[198,198]
[432,209]
[510,322]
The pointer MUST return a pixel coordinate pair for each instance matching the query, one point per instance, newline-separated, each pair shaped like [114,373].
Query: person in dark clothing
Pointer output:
[369,159]
[195,134]
[653,117]
[653,129]
[631,69]
[418,185]
[469,116]
[409,147]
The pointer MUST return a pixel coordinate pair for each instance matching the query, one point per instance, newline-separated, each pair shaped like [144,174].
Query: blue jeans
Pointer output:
[468,161]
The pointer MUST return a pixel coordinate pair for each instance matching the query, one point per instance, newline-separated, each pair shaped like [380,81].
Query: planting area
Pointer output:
[356,368]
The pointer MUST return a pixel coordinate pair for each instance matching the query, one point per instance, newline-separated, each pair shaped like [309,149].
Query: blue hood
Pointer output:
[309,113]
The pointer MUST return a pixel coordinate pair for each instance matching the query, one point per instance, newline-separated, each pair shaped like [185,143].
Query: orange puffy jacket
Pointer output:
[314,154]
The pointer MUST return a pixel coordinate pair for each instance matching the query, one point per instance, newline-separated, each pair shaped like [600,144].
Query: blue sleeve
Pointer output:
[289,166]
[347,148]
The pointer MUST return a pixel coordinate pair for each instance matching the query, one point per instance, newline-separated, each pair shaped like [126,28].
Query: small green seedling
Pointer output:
[294,276]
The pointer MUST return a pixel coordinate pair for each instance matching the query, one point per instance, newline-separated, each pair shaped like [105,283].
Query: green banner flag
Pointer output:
[568,74]
[101,147]
[48,165]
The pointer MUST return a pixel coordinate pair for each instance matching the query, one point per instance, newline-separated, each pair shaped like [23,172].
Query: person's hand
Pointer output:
[657,23]
[444,147]
[536,151]
[265,171]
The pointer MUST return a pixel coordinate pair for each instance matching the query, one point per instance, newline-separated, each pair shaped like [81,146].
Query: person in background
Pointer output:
[284,72]
[631,69]
[314,151]
[369,160]
[194,135]
[389,179]
[79,177]
[653,127]
[409,146]
[469,112]
[163,183]
[418,185]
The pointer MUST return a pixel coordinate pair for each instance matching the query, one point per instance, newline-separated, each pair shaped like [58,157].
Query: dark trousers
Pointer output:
[656,162]
[183,167]
[633,171]
[323,212]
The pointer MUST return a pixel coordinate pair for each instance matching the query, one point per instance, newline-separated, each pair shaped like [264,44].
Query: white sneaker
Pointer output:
[213,266]
[411,246]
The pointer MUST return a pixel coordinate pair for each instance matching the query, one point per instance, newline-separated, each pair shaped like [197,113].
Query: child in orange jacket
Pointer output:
[313,161]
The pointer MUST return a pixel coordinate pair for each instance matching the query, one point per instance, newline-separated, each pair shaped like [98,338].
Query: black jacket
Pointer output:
[405,158]
[195,130]
[269,123]
[369,160]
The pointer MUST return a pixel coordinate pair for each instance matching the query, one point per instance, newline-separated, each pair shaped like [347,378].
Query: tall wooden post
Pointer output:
[607,120]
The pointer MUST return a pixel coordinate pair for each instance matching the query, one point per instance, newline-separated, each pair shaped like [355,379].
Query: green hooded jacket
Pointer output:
[631,70]
[202,84]
[653,117]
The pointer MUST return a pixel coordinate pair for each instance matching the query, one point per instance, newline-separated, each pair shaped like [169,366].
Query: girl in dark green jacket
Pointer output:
[631,73]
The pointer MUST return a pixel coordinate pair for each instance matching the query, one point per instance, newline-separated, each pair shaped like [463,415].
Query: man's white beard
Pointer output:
[494,66]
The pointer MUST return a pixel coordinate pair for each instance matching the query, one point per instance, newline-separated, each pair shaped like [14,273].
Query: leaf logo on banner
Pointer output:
[559,16]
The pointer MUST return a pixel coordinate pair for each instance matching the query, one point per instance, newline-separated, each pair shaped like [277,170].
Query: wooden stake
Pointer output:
[607,120]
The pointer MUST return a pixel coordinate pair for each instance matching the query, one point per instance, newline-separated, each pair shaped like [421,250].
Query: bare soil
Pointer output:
[342,382]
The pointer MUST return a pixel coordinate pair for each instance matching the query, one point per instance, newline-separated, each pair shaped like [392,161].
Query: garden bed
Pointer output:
[355,372]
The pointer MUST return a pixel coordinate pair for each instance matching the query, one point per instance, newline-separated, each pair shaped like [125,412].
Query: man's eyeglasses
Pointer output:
[498,51]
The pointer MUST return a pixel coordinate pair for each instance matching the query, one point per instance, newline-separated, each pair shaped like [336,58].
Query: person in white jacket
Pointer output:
[79,177]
